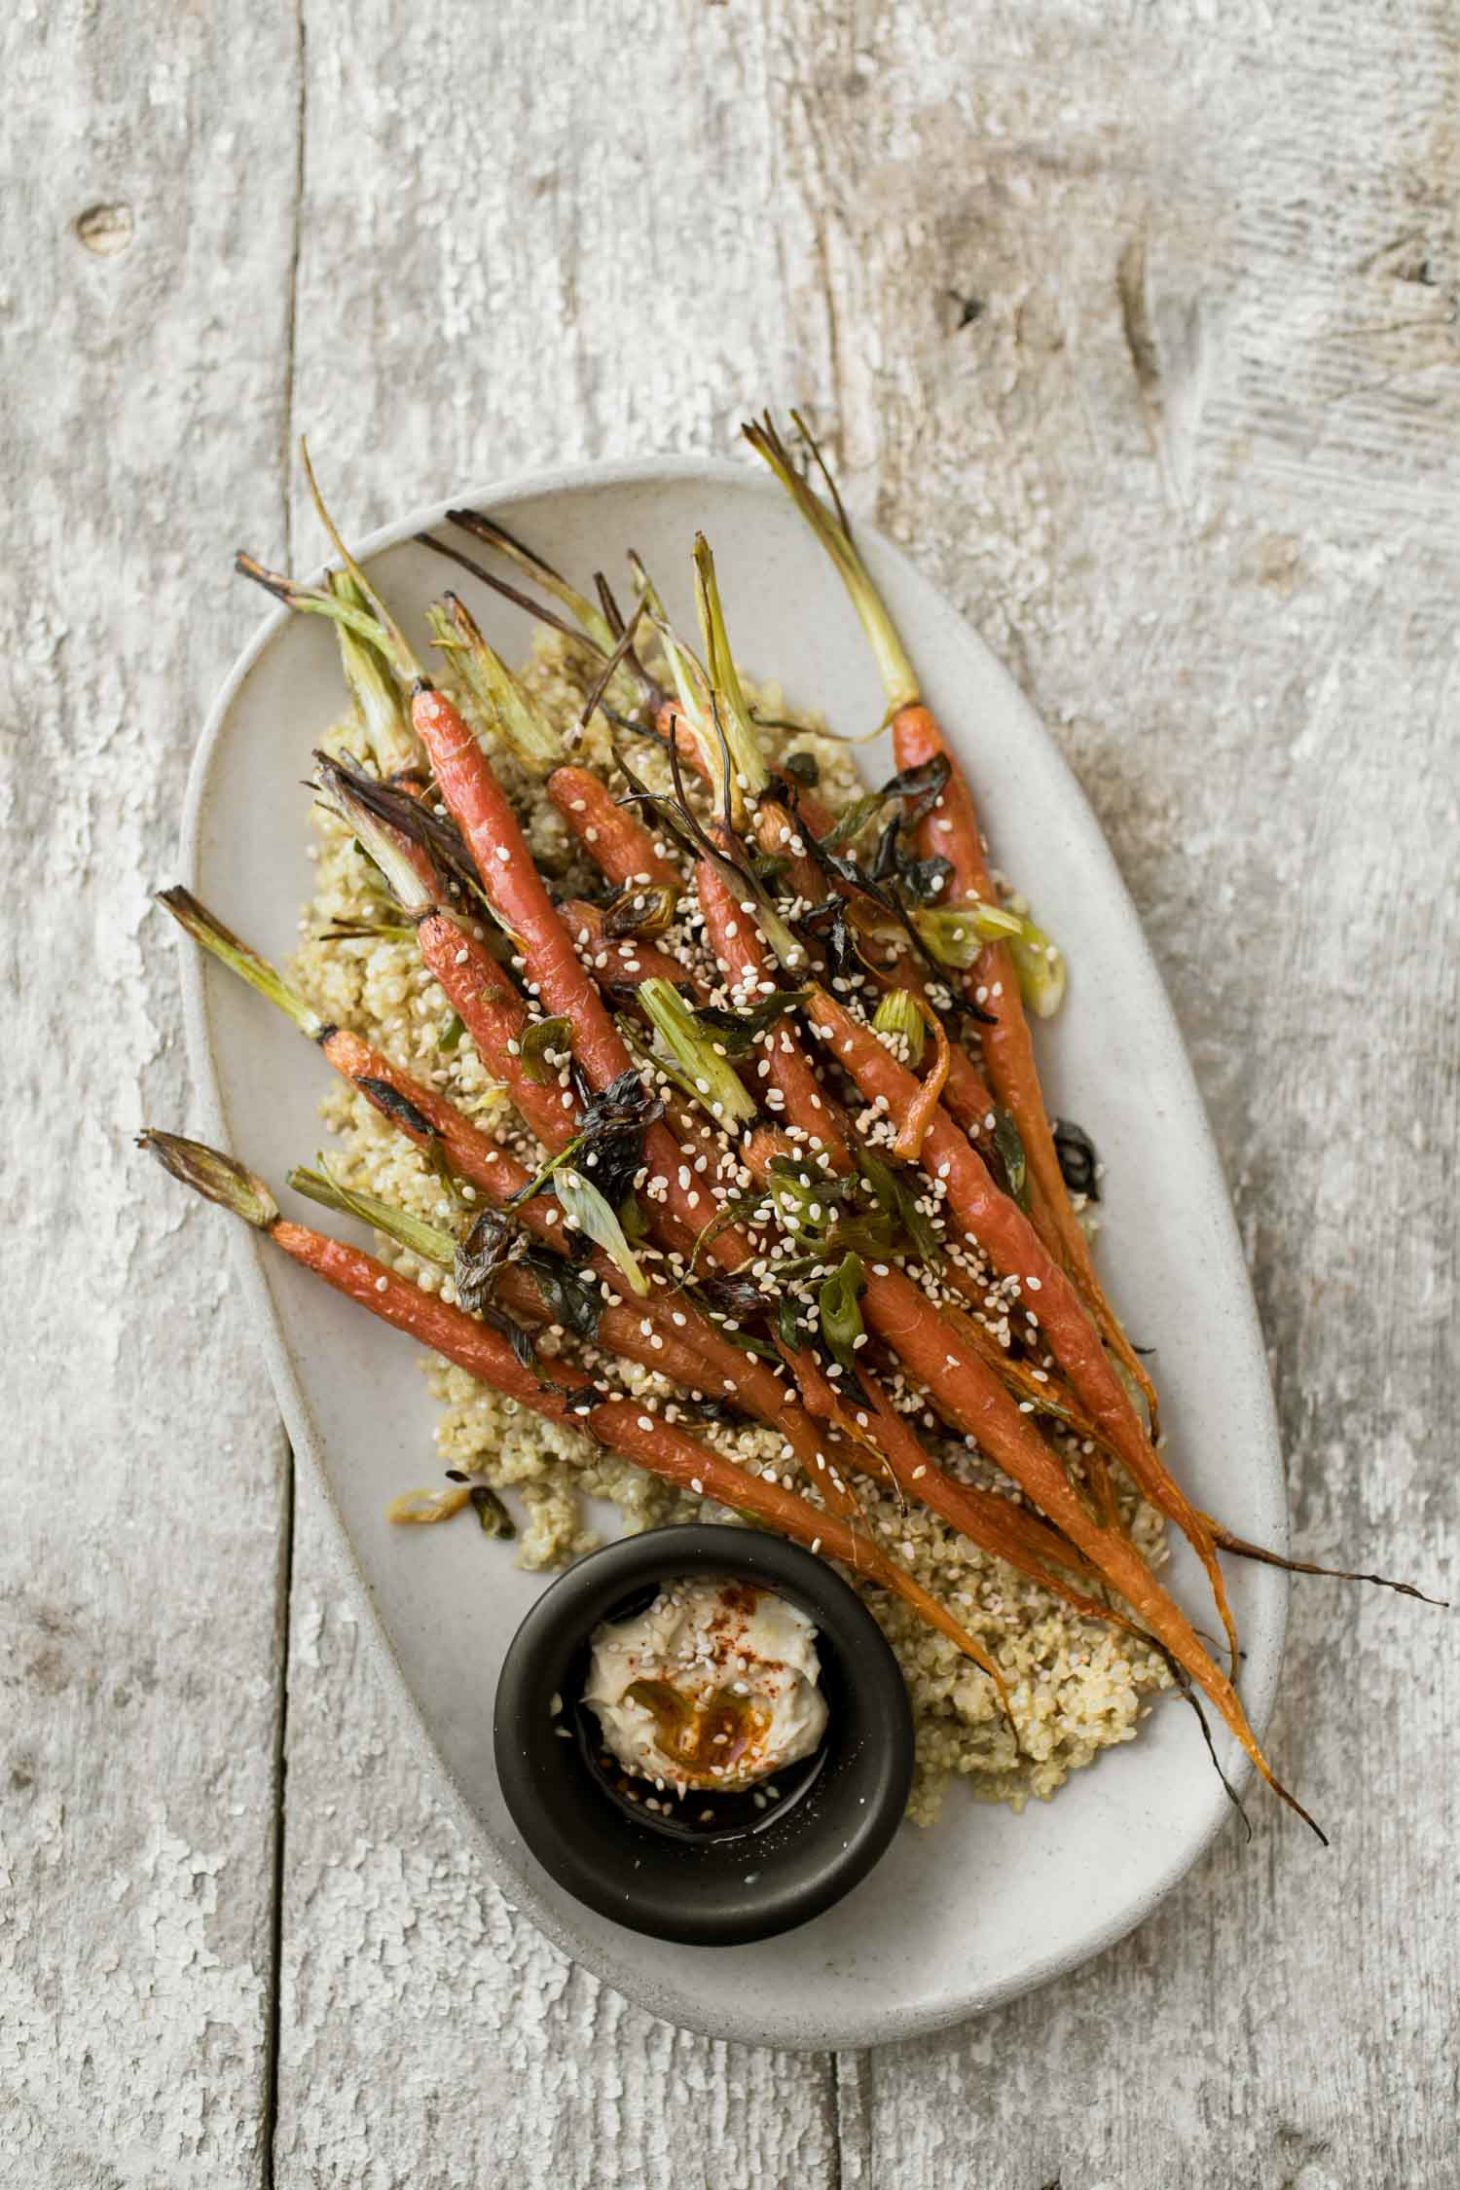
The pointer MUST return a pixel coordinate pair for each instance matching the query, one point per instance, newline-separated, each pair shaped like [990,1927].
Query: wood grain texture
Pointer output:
[1139,327]
[146,258]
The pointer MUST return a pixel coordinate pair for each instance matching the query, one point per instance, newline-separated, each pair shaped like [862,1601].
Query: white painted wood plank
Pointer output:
[1212,523]
[147,236]
[1176,513]
[478,218]
[1204,521]
[430,2035]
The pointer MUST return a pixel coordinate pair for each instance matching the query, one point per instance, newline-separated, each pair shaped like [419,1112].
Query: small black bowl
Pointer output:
[753,1873]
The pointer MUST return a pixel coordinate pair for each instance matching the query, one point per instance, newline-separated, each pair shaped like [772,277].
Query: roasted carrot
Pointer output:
[1046,1293]
[671,1338]
[633,1428]
[972,1398]
[520,899]
[968,1392]
[431,1122]
[615,839]
[737,944]
[951,831]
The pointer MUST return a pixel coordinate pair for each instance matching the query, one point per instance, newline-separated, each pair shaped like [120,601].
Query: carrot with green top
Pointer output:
[662,1331]
[436,1127]
[968,1393]
[510,881]
[789,1071]
[633,1428]
[1045,1293]
[951,831]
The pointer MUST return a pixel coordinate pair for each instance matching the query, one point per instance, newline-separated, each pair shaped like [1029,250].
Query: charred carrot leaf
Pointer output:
[919,788]
[738,1031]
[492,1516]
[1010,1147]
[1079,1163]
[574,1303]
[642,909]
[476,1262]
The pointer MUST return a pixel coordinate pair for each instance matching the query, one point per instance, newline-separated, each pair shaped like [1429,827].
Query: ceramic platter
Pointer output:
[986,1904]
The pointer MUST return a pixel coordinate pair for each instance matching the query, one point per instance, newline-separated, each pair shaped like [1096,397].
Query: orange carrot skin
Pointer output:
[738,945]
[998,1224]
[614,839]
[516,891]
[967,1098]
[952,831]
[622,1425]
[519,897]
[993,1523]
[495,1017]
[697,1358]
[1015,1249]
[630,961]
[970,1394]
[471,1154]
[971,1397]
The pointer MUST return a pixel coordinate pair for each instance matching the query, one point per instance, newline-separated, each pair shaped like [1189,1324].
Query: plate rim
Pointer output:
[672,2002]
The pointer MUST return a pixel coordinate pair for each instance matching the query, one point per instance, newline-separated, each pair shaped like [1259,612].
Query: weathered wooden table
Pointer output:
[1139,326]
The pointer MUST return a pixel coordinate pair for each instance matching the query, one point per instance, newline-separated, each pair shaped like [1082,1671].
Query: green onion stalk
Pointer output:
[503,702]
[833,528]
[383,716]
[900,1015]
[371,622]
[698,1062]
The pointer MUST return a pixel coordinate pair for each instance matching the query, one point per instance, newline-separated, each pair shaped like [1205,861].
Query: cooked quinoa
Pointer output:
[1076,1686]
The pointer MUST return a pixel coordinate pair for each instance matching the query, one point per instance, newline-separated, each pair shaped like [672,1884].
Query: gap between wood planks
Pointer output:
[274,2006]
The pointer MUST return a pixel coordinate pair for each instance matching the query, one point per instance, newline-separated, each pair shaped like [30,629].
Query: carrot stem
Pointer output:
[633,1428]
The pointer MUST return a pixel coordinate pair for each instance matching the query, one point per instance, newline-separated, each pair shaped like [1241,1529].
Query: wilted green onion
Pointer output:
[898,1013]
[806,1205]
[394,746]
[502,698]
[955,934]
[425,1240]
[449,1039]
[687,1047]
[588,1212]
[537,1040]
[852,820]
[841,1318]
[897,1196]
[1040,965]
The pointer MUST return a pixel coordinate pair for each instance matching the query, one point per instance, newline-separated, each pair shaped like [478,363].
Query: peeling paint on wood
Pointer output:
[1190,460]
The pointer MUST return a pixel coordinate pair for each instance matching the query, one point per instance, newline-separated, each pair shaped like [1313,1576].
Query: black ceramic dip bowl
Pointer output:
[744,1872]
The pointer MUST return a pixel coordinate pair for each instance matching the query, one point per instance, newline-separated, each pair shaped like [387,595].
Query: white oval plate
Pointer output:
[986,1904]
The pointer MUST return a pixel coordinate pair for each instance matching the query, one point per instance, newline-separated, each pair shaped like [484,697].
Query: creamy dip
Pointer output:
[714,1686]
